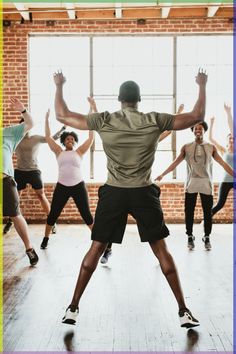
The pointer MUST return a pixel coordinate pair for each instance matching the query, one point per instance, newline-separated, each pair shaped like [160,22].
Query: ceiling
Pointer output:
[28,11]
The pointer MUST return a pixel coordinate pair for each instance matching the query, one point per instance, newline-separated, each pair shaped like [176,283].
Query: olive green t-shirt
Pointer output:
[129,140]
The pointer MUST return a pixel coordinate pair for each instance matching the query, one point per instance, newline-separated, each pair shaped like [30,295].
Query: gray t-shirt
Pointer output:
[199,168]
[129,140]
[11,138]
[27,151]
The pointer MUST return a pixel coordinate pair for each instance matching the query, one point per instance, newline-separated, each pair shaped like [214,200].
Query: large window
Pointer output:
[163,66]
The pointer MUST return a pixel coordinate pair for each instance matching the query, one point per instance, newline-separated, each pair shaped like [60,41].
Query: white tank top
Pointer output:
[69,163]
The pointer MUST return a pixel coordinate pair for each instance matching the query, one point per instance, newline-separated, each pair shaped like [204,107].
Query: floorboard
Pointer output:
[128,305]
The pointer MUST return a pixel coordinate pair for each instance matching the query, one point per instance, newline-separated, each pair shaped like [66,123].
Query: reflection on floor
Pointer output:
[128,305]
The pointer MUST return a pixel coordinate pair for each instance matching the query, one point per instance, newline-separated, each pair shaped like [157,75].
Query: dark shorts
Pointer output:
[23,178]
[11,200]
[116,203]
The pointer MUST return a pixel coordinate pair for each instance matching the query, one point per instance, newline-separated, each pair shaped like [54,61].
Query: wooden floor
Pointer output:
[127,305]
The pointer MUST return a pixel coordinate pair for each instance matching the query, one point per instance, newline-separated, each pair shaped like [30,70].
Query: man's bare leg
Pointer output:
[88,266]
[169,270]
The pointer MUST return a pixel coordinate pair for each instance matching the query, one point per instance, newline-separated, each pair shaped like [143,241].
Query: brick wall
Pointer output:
[15,83]
[172,200]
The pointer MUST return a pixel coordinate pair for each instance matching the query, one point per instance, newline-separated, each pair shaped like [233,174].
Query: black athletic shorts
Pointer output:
[116,203]
[11,200]
[23,178]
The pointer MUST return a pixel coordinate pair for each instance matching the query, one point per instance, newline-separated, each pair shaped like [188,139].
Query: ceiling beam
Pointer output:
[212,10]
[22,10]
[70,10]
[165,10]
[118,10]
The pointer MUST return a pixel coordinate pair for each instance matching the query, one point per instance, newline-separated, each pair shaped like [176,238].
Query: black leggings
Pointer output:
[224,190]
[60,197]
[190,203]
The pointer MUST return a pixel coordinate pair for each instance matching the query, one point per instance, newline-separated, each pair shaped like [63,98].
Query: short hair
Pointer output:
[64,135]
[203,124]
[129,92]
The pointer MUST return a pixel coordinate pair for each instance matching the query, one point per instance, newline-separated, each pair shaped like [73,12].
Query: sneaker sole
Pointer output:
[33,264]
[69,321]
[190,325]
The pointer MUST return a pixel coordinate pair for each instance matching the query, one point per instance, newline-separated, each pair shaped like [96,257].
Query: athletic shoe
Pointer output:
[44,243]
[33,257]
[54,229]
[8,226]
[186,319]
[206,240]
[70,316]
[191,244]
[106,255]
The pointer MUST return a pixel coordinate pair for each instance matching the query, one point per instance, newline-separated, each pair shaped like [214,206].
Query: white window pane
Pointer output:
[162,160]
[146,60]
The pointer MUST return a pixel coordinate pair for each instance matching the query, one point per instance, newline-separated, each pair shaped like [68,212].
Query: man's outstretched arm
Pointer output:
[63,114]
[197,115]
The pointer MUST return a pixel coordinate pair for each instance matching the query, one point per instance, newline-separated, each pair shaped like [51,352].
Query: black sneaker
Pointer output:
[106,255]
[44,243]
[70,315]
[191,244]
[54,229]
[33,257]
[186,319]
[206,240]
[8,226]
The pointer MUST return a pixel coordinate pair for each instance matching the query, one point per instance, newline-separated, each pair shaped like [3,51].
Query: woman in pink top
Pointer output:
[70,181]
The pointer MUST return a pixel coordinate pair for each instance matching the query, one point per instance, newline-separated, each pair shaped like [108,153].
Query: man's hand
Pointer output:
[159,178]
[59,78]
[16,104]
[201,78]
[227,108]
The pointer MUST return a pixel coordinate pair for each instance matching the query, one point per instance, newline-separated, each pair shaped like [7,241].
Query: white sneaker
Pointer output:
[186,319]
[70,316]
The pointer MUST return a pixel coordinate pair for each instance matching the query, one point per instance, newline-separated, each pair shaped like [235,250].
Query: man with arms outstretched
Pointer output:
[129,140]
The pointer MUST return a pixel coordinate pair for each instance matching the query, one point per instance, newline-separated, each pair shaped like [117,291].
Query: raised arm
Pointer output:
[63,114]
[17,105]
[168,132]
[197,115]
[52,144]
[229,118]
[220,161]
[212,140]
[174,164]
[82,149]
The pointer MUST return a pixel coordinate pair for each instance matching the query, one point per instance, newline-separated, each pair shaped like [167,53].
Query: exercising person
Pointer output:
[70,181]
[198,155]
[165,134]
[27,170]
[11,137]
[228,155]
[129,139]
